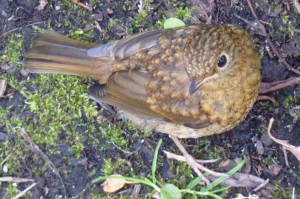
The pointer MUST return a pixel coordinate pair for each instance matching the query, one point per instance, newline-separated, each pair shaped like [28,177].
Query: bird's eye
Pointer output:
[222,61]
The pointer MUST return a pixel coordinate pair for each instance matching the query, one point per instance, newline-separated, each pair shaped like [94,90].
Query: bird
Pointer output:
[188,82]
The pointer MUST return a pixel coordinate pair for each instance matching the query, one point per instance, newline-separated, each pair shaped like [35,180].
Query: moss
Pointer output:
[13,48]
[144,9]
[268,105]
[77,147]
[281,192]
[262,128]
[119,166]
[80,34]
[138,131]
[270,160]
[114,134]
[183,13]
[11,190]
[289,100]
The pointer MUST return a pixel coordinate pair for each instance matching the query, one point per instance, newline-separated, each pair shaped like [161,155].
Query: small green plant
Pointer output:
[170,191]
[289,100]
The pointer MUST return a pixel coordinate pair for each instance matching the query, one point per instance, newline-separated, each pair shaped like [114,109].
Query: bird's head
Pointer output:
[219,51]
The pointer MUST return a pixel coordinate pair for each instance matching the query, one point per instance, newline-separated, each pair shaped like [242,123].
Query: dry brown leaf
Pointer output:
[293,149]
[42,4]
[111,185]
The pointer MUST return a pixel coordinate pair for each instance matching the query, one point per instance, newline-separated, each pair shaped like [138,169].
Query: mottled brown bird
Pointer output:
[188,82]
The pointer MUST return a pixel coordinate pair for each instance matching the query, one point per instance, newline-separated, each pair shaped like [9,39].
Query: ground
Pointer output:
[83,141]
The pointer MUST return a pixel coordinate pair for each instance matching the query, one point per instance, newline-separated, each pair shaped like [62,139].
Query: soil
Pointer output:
[116,19]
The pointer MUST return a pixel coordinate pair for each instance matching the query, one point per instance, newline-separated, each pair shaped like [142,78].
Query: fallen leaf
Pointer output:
[293,149]
[274,169]
[242,180]
[111,185]
[173,23]
[227,164]
[266,140]
[259,147]
[42,4]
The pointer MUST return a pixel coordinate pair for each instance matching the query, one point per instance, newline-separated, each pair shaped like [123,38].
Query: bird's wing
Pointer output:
[138,43]
[126,90]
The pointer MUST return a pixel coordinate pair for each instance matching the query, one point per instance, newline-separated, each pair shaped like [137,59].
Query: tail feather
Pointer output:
[53,53]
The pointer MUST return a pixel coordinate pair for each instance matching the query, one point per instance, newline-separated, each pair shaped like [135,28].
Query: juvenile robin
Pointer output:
[188,82]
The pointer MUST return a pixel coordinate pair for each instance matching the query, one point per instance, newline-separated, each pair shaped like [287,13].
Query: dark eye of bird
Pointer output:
[222,61]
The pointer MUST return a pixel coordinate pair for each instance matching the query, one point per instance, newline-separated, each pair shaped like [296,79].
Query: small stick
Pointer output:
[31,24]
[270,43]
[35,149]
[189,159]
[89,8]
[24,191]
[15,180]
[265,97]
[181,158]
[268,87]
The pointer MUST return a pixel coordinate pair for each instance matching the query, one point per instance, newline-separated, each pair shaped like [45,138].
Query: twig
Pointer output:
[15,180]
[136,191]
[261,185]
[281,59]
[268,87]
[89,8]
[265,97]
[189,159]
[293,193]
[297,5]
[295,150]
[9,155]
[270,43]
[35,149]
[24,191]
[3,85]
[31,24]
[285,157]
[124,151]
[181,158]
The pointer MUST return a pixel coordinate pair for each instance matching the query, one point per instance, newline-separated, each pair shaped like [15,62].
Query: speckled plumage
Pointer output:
[150,76]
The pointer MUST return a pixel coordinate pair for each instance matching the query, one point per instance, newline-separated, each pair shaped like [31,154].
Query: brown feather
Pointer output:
[53,53]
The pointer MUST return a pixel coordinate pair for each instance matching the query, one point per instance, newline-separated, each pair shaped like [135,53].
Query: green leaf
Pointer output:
[173,23]
[170,191]
[154,162]
[194,183]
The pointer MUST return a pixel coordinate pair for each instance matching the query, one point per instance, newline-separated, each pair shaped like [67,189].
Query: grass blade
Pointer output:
[154,162]
[222,179]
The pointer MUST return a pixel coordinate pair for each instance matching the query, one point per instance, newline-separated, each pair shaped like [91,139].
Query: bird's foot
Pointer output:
[274,86]
[196,165]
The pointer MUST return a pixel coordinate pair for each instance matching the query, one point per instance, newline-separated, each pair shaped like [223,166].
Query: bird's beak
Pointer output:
[195,84]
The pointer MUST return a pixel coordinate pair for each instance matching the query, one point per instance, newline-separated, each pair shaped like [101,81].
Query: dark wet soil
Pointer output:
[283,26]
